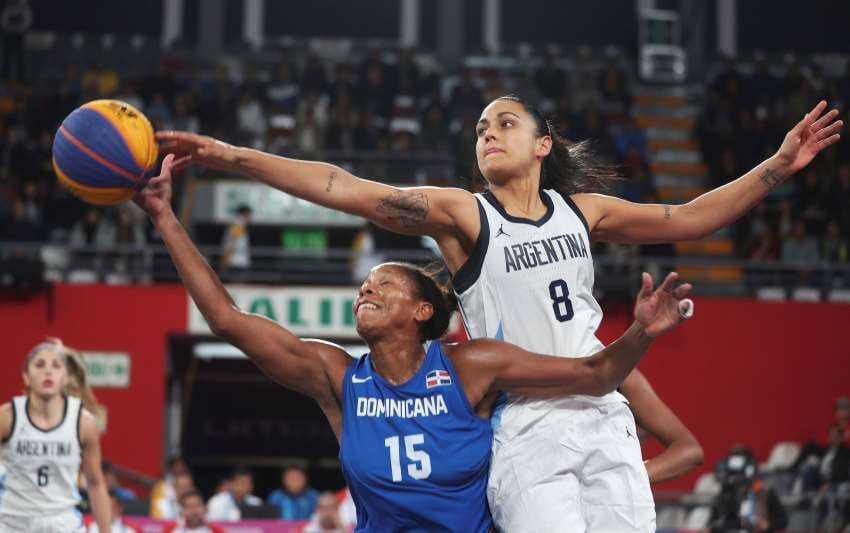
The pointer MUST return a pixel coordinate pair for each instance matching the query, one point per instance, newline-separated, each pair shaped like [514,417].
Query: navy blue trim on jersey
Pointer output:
[12,427]
[550,210]
[470,271]
[62,421]
[578,212]
[79,421]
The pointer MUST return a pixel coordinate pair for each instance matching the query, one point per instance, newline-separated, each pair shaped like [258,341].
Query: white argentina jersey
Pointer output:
[530,283]
[41,464]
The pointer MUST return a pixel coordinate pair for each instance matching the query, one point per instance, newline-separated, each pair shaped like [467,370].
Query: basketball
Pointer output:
[104,151]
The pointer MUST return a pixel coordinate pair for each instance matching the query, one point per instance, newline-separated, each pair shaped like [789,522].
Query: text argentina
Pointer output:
[544,251]
[43,448]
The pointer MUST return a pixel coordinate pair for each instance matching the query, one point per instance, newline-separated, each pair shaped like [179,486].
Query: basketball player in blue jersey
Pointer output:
[521,261]
[412,416]
[45,436]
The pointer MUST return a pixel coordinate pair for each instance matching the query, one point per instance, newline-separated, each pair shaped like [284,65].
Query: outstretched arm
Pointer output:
[310,367]
[682,451]
[613,219]
[435,211]
[488,365]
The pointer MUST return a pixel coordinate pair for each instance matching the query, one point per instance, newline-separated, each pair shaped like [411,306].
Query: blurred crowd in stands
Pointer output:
[390,115]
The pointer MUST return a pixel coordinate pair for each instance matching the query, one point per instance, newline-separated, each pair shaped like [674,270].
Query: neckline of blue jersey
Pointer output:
[550,209]
[378,377]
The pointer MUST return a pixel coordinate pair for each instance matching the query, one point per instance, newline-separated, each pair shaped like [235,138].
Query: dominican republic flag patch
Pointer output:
[437,378]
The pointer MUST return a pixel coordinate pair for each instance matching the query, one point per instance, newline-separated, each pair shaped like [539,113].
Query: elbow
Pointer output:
[221,322]
[695,455]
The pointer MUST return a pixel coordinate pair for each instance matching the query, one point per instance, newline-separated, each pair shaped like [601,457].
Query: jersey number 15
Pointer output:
[420,461]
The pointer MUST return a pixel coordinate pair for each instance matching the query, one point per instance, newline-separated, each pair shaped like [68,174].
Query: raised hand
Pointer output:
[155,198]
[809,137]
[661,310]
[202,150]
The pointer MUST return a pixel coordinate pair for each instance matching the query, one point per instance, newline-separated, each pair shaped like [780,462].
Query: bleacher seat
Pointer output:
[698,518]
[671,517]
[805,294]
[782,456]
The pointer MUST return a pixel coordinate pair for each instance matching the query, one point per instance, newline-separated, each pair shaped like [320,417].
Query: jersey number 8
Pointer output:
[561,304]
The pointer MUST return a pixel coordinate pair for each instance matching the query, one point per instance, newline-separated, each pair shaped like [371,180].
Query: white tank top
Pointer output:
[41,465]
[530,283]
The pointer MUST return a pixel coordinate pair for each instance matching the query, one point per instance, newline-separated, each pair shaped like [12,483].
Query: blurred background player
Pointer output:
[46,437]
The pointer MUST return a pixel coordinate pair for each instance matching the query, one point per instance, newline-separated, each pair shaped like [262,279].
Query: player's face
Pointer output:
[388,300]
[46,374]
[507,142]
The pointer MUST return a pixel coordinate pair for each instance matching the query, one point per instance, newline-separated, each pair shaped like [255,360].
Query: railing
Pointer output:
[616,276]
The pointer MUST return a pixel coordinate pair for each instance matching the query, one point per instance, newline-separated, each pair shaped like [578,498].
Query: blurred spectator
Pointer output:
[15,20]
[250,120]
[799,248]
[550,79]
[347,510]
[313,76]
[93,230]
[745,503]
[236,247]
[100,81]
[834,247]
[225,505]
[163,494]
[193,516]
[123,493]
[435,129]
[159,113]
[21,227]
[466,98]
[613,87]
[296,499]
[119,523]
[326,517]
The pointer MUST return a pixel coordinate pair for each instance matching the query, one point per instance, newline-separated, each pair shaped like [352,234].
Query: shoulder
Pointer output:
[474,352]
[88,427]
[592,205]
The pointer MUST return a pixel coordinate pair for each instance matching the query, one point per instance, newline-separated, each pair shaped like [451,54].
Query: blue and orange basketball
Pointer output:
[104,151]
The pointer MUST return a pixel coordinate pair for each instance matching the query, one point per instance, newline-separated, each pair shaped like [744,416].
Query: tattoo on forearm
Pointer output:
[331,178]
[771,178]
[408,208]
[668,212]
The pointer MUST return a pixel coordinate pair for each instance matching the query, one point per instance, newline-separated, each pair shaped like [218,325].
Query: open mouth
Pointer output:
[364,306]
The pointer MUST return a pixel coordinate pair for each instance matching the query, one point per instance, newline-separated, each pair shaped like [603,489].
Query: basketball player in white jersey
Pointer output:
[523,271]
[46,435]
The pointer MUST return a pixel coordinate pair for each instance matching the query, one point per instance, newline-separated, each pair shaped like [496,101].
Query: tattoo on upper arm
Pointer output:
[668,212]
[408,208]
[331,178]
[771,178]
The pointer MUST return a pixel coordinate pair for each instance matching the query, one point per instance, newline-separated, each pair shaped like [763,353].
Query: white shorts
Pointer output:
[67,522]
[579,471]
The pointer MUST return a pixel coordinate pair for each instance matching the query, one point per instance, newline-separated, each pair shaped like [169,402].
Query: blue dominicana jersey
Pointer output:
[415,456]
